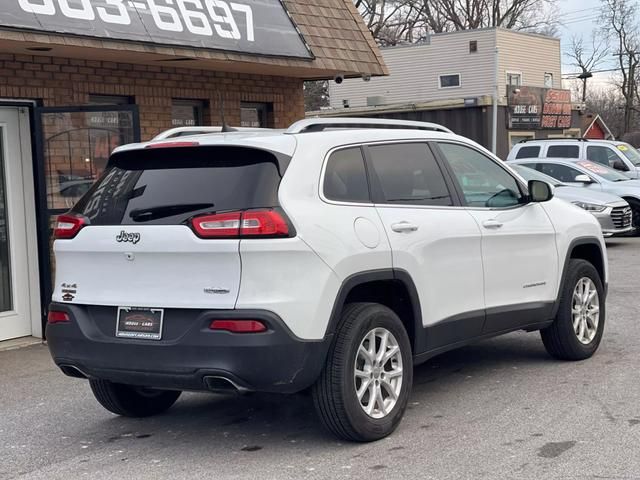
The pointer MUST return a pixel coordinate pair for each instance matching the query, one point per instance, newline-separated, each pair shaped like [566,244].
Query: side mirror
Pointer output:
[619,165]
[539,191]
[582,178]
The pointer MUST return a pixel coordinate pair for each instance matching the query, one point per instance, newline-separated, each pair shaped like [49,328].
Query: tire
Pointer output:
[334,393]
[130,401]
[561,338]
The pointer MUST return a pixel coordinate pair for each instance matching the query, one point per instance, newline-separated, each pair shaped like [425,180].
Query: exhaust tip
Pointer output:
[71,371]
[218,384]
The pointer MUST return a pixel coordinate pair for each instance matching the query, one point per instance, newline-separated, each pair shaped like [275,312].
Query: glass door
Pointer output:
[75,144]
[15,313]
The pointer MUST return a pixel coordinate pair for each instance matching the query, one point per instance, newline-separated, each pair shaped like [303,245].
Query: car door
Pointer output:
[602,154]
[518,239]
[434,241]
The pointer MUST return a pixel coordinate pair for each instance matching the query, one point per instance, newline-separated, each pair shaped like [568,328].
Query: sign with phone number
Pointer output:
[260,27]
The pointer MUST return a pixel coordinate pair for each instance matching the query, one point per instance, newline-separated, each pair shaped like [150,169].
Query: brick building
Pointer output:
[80,77]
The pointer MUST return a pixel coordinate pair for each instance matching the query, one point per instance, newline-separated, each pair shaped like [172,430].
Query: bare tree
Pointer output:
[586,60]
[607,101]
[407,21]
[622,28]
[316,95]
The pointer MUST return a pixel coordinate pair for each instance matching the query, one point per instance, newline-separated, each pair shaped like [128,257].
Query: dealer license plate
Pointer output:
[140,322]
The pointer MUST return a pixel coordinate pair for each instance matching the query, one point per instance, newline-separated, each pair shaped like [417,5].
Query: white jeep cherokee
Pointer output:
[334,255]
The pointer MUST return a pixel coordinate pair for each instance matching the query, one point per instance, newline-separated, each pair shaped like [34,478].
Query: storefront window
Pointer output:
[256,115]
[77,148]
[187,113]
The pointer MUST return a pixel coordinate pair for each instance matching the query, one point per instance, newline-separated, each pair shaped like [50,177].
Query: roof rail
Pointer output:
[186,131]
[578,139]
[320,124]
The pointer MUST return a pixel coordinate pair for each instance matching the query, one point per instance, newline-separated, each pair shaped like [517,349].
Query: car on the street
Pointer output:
[613,213]
[618,155]
[334,255]
[590,176]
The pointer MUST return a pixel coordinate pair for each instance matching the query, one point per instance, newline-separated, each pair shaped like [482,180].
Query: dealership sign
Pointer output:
[539,108]
[260,27]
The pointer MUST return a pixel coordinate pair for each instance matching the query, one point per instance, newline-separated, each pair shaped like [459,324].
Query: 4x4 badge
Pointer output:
[128,237]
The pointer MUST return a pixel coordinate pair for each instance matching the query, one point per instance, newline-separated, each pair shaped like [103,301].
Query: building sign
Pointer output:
[539,108]
[255,27]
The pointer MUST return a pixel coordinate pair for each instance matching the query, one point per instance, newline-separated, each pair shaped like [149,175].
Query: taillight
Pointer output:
[68,226]
[263,223]
[57,317]
[250,223]
[223,225]
[239,326]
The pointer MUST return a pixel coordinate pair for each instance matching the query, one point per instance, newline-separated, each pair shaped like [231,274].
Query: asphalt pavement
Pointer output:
[501,409]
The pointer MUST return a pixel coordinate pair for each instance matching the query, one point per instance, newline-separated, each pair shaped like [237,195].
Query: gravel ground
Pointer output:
[498,409]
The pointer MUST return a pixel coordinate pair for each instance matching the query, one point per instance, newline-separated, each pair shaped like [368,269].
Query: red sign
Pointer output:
[539,108]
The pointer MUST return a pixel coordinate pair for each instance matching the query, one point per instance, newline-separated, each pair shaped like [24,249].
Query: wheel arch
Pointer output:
[584,248]
[392,288]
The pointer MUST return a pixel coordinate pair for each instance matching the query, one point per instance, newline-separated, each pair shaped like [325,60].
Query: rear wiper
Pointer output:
[152,213]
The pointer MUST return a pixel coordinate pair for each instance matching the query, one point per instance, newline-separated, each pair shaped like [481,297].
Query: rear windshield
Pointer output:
[169,186]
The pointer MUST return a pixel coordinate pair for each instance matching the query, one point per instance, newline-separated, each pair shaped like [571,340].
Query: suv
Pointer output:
[334,255]
[618,155]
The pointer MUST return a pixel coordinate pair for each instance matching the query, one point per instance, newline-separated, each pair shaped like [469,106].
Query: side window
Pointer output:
[345,179]
[563,151]
[603,155]
[528,152]
[484,183]
[563,173]
[408,173]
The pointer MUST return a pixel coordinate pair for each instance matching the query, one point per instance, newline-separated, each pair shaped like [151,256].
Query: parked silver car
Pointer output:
[590,176]
[613,213]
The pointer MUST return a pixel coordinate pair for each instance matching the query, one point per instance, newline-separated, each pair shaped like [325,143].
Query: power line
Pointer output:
[565,77]
[586,18]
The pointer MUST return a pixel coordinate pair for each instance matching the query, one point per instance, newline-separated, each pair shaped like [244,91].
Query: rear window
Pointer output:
[528,152]
[345,178]
[169,186]
[563,151]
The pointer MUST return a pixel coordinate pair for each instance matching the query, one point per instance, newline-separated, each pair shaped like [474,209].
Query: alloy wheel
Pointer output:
[378,372]
[585,310]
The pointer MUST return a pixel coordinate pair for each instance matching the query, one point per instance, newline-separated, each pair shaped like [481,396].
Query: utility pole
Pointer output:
[628,107]
[494,121]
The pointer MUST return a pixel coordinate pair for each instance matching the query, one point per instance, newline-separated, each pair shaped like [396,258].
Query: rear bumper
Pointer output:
[190,356]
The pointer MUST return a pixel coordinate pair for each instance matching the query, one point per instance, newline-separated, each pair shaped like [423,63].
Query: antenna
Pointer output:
[225,128]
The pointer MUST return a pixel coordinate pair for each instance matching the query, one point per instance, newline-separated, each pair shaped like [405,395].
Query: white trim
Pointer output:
[516,133]
[606,128]
[440,87]
[21,220]
[513,72]
[544,77]
[31,223]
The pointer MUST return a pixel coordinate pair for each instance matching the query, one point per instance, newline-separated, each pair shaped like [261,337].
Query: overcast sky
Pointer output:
[581,17]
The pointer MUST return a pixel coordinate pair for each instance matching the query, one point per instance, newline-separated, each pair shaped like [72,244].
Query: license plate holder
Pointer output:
[139,323]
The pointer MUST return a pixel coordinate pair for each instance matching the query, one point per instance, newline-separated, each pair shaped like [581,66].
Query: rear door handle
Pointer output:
[404,227]
[492,224]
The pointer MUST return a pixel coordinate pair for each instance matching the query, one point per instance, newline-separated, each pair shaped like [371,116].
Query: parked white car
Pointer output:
[612,212]
[590,176]
[335,255]
[618,155]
